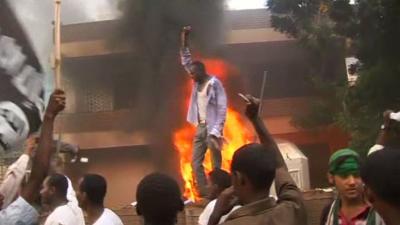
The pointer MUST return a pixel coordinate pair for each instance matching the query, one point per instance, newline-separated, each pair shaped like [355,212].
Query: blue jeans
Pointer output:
[200,145]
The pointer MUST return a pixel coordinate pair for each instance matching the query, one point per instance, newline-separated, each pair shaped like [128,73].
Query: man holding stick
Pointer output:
[207,111]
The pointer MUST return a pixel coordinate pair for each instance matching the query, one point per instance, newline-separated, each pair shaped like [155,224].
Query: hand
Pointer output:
[214,142]
[184,35]
[225,202]
[186,30]
[56,103]
[252,107]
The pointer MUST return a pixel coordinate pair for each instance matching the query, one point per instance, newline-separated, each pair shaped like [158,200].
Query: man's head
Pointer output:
[158,199]
[197,71]
[253,170]
[381,175]
[54,188]
[344,173]
[219,180]
[92,190]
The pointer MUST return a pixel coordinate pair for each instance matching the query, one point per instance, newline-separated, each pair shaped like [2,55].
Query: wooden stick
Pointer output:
[262,94]
[57,43]
[57,56]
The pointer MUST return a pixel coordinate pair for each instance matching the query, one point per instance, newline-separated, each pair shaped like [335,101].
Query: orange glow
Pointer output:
[235,135]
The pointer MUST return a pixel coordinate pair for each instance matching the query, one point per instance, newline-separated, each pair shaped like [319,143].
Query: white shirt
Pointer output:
[71,195]
[202,101]
[68,214]
[205,215]
[108,218]
[375,148]
[395,116]
[18,213]
[13,179]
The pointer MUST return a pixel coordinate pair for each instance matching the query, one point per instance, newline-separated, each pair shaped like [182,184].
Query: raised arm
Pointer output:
[41,161]
[287,191]
[261,130]
[384,133]
[15,174]
[186,56]
[286,188]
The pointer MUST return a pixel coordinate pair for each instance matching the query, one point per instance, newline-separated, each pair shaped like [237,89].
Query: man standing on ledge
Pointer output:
[207,111]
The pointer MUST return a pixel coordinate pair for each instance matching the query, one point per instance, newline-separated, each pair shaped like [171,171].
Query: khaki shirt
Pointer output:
[288,210]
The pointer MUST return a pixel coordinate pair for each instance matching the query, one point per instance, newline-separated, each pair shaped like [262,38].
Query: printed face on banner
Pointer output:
[21,88]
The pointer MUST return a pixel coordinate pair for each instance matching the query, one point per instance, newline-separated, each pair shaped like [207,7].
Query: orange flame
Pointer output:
[235,134]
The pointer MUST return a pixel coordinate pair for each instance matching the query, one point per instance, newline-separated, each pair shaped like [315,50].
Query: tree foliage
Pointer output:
[370,30]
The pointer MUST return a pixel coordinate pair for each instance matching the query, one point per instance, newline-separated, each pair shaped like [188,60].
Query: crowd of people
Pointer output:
[368,192]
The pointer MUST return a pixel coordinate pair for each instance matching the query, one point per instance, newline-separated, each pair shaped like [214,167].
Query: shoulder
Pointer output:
[58,213]
[325,213]
[215,82]
[108,218]
[206,213]
[59,210]
[211,204]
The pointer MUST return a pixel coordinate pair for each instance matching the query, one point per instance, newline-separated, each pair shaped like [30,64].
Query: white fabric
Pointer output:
[108,218]
[68,214]
[205,215]
[375,148]
[13,178]
[395,116]
[19,212]
[202,101]
[71,195]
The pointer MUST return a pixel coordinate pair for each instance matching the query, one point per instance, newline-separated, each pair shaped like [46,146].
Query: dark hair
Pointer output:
[257,163]
[95,187]
[221,178]
[60,183]
[158,199]
[200,65]
[381,173]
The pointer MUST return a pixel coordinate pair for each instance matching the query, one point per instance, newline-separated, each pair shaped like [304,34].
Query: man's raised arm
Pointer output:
[384,133]
[261,130]
[41,160]
[186,56]
[286,188]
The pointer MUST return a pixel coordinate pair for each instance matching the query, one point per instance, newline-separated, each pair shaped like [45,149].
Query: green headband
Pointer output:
[344,162]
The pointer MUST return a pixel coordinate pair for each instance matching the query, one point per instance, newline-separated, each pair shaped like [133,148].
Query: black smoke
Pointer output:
[152,28]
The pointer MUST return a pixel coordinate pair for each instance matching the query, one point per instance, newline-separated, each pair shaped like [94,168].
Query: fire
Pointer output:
[236,134]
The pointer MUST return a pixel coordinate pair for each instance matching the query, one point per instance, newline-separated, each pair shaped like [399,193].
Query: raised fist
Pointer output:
[56,103]
[186,30]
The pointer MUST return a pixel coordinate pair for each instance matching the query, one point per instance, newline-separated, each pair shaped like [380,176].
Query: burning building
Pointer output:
[129,126]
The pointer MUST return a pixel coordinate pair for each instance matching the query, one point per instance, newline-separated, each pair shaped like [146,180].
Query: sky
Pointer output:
[245,4]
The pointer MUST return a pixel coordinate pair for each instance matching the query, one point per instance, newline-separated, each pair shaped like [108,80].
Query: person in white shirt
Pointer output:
[54,195]
[15,174]
[91,193]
